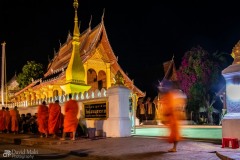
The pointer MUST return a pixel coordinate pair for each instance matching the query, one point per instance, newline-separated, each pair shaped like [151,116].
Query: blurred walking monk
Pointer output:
[2,120]
[54,118]
[15,117]
[70,122]
[42,119]
[172,101]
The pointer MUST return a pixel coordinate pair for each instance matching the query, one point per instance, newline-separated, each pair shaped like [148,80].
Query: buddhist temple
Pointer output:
[84,63]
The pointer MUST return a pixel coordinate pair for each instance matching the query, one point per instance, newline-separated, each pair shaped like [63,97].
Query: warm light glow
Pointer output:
[233,92]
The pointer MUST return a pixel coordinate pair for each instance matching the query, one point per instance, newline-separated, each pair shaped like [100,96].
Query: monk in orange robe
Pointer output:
[42,119]
[61,122]
[169,100]
[2,120]
[70,118]
[54,118]
[7,120]
[15,117]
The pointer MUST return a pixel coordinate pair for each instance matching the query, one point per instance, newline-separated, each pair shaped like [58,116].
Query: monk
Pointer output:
[7,120]
[15,117]
[54,118]
[42,119]
[2,120]
[61,122]
[170,114]
[70,118]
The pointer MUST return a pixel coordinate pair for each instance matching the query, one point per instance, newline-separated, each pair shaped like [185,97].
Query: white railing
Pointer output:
[88,95]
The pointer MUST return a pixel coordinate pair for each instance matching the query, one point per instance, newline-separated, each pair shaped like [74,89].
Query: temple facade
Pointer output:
[84,63]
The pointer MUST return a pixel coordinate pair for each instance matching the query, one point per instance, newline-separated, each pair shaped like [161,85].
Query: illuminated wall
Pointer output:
[232,77]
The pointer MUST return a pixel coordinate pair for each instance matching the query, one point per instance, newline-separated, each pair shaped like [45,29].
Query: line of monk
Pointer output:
[9,120]
[50,120]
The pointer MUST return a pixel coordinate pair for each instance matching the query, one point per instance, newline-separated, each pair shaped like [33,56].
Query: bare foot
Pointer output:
[73,139]
[62,139]
[172,150]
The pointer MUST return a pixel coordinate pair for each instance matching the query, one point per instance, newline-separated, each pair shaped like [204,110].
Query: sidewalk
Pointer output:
[129,148]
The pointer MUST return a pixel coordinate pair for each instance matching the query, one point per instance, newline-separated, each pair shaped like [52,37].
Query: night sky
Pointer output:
[143,34]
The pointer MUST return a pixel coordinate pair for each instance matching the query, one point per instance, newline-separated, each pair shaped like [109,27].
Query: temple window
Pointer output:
[92,79]
[102,83]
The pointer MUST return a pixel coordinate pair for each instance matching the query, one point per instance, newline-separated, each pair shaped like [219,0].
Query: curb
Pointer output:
[222,157]
[210,140]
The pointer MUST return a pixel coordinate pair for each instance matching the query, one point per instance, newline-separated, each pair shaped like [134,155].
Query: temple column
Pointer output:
[134,111]
[118,123]
[231,121]
[108,74]
[28,98]
[85,68]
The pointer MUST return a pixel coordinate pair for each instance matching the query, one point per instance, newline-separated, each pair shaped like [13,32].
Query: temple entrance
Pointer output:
[96,81]
[102,80]
[92,79]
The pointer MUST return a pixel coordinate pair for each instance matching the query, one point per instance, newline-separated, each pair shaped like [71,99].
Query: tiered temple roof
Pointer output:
[92,41]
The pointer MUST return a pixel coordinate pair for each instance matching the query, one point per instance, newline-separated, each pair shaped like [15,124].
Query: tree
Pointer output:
[30,71]
[199,76]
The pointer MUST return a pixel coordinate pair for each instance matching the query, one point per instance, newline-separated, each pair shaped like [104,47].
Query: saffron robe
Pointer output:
[169,117]
[2,120]
[14,119]
[7,120]
[54,118]
[70,118]
[42,119]
[61,119]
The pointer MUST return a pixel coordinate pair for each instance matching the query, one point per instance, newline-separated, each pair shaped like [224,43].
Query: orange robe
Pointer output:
[2,120]
[170,117]
[42,119]
[54,118]
[14,119]
[61,119]
[70,118]
[8,120]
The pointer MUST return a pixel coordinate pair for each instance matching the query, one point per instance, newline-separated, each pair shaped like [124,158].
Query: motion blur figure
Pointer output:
[173,103]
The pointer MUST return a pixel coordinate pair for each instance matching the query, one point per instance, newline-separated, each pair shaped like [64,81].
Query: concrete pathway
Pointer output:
[130,148]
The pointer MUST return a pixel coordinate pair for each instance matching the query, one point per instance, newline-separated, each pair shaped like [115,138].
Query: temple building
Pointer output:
[84,63]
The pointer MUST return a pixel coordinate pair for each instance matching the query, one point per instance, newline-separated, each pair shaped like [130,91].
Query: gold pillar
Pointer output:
[108,74]
[50,91]
[85,68]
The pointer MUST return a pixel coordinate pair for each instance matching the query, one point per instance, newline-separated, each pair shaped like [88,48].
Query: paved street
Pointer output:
[148,143]
[130,148]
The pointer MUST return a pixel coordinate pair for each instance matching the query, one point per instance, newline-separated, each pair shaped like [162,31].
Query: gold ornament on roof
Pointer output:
[236,53]
[119,78]
[75,4]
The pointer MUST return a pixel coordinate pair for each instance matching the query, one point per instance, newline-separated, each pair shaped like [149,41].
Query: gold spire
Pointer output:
[75,73]
[76,32]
